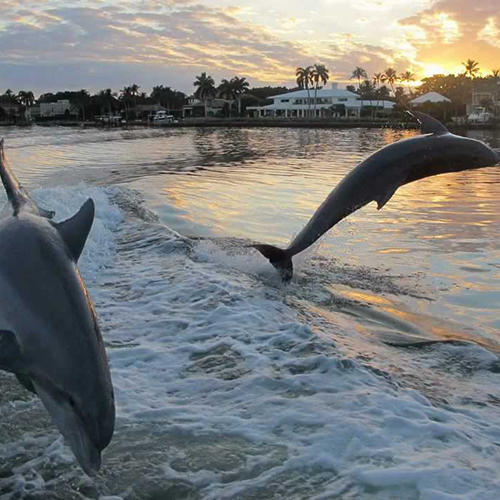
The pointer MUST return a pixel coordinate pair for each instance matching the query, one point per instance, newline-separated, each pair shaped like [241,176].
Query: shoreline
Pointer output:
[253,123]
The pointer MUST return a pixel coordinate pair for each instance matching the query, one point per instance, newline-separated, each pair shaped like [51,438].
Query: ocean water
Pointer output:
[230,385]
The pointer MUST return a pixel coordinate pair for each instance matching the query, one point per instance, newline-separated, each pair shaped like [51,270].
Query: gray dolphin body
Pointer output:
[49,335]
[379,176]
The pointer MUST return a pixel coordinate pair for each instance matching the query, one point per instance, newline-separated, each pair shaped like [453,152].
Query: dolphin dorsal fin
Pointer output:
[17,195]
[428,124]
[74,231]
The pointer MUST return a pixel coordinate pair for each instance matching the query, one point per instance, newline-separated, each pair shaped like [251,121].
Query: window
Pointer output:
[285,100]
[342,99]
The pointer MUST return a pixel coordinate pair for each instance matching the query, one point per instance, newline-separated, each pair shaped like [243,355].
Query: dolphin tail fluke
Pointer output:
[279,259]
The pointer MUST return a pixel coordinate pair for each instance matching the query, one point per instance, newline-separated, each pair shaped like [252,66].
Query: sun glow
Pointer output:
[430,69]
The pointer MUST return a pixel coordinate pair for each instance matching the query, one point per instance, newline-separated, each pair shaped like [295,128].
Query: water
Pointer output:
[230,385]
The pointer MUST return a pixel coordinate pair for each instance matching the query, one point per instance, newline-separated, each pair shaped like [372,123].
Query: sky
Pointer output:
[52,45]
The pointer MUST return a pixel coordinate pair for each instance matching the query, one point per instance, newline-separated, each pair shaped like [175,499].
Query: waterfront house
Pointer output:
[325,102]
[147,111]
[196,108]
[485,93]
[60,108]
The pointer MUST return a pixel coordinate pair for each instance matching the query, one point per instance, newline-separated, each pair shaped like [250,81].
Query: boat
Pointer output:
[162,117]
[479,115]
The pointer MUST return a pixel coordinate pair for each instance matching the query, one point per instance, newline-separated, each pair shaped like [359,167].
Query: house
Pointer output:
[485,93]
[429,97]
[196,108]
[60,108]
[323,102]
[147,111]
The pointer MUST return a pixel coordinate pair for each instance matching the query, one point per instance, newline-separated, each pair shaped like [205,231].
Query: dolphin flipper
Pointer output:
[10,351]
[384,197]
[428,124]
[26,382]
[74,231]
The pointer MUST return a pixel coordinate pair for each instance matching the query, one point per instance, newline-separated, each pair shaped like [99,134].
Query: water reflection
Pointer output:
[264,185]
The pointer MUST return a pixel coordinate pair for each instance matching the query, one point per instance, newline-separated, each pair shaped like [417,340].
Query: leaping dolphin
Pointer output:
[378,177]
[49,335]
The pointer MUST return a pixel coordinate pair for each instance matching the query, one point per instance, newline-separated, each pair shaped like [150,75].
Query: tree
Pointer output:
[303,81]
[205,89]
[495,73]
[390,76]
[126,99]
[9,96]
[359,73]
[26,99]
[107,99]
[367,91]
[455,87]
[226,91]
[471,68]
[407,77]
[319,73]
[81,101]
[240,86]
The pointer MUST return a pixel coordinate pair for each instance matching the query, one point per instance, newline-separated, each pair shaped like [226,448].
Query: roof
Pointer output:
[430,97]
[380,104]
[301,94]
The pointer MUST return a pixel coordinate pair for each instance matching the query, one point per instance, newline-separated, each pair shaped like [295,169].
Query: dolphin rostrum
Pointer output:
[49,335]
[378,177]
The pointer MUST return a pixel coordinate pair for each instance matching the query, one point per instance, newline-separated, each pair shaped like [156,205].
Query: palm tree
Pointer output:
[82,98]
[390,76]
[9,96]
[407,77]
[366,91]
[303,80]
[107,99]
[126,98]
[495,73]
[319,74]
[26,98]
[359,73]
[205,90]
[240,86]
[226,91]
[471,68]
[134,92]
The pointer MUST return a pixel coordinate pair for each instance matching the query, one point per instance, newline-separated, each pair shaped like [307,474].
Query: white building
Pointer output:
[58,108]
[323,102]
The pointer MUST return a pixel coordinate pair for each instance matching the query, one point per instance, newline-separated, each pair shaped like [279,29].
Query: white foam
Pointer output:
[222,387]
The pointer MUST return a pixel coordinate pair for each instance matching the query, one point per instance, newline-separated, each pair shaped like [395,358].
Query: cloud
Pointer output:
[452,31]
[56,44]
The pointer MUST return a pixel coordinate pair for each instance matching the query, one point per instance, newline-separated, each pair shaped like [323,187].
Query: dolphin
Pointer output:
[436,151]
[49,334]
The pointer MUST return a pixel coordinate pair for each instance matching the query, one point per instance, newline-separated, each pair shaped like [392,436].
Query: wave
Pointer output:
[229,385]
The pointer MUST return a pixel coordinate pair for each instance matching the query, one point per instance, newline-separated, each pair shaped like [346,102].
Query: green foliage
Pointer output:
[457,88]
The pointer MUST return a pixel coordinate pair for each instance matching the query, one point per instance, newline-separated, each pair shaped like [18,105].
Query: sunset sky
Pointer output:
[49,45]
